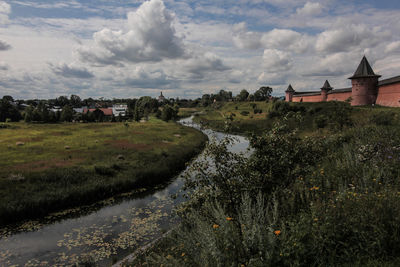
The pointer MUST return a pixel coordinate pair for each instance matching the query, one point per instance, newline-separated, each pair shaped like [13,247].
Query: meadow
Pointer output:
[48,167]
[322,188]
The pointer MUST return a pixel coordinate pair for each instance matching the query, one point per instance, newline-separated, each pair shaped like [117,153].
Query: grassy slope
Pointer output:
[63,165]
[215,117]
[376,187]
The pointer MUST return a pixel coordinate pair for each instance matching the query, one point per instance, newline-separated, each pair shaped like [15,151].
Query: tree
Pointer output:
[206,100]
[67,113]
[75,101]
[263,93]
[168,113]
[62,101]
[8,111]
[243,95]
[28,114]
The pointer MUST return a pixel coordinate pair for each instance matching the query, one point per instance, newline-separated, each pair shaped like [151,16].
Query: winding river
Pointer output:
[102,235]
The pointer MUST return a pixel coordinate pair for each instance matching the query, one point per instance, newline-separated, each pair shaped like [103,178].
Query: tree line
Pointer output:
[61,109]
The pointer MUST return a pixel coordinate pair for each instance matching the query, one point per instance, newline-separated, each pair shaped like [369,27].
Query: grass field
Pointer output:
[46,167]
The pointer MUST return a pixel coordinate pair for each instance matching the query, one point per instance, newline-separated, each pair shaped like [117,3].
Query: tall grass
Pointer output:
[326,201]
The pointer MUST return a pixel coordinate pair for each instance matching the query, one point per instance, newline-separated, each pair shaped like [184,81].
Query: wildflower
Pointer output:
[183,254]
[315,219]
[277,232]
[215,226]
[229,218]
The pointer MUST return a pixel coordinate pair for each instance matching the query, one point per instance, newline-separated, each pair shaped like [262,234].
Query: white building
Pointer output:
[120,109]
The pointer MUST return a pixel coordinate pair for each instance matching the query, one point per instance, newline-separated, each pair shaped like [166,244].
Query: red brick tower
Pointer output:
[289,93]
[324,91]
[364,85]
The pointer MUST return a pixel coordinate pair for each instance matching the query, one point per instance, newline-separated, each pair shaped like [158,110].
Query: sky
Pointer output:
[187,48]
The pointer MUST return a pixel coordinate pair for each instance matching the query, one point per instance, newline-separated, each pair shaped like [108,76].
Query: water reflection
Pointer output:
[110,232]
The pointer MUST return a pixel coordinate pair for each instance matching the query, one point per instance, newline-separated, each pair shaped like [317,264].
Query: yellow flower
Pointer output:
[215,226]
[183,255]
[277,232]
[229,218]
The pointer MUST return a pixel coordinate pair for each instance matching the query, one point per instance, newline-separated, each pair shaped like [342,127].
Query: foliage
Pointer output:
[311,201]
[169,113]
[8,111]
[243,95]
[263,93]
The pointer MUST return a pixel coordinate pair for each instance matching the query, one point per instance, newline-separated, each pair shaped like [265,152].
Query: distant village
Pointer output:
[74,109]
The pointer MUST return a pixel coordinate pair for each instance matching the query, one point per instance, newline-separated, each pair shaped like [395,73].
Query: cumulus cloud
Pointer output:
[150,37]
[244,39]
[267,78]
[310,9]
[275,60]
[333,65]
[200,65]
[141,78]
[4,46]
[5,10]
[348,37]
[71,71]
[285,39]
[393,47]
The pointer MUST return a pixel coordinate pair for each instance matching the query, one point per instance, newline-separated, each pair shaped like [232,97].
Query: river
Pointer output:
[103,234]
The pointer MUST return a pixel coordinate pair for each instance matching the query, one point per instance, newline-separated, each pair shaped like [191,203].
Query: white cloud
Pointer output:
[333,65]
[393,47]
[310,9]
[275,60]
[150,37]
[71,71]
[285,39]
[5,10]
[244,39]
[267,78]
[350,37]
[200,65]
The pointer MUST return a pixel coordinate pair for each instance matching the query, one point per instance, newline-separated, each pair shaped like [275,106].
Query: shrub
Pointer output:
[321,121]
[244,113]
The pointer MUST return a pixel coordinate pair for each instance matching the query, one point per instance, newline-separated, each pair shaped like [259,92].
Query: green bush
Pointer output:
[244,113]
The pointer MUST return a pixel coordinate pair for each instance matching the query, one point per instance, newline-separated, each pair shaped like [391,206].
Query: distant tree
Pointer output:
[29,114]
[168,113]
[206,100]
[98,115]
[67,113]
[8,98]
[62,101]
[75,101]
[250,97]
[224,95]
[8,111]
[263,93]
[243,95]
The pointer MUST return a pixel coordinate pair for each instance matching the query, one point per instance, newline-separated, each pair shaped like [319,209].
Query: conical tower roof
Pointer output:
[327,86]
[290,88]
[364,70]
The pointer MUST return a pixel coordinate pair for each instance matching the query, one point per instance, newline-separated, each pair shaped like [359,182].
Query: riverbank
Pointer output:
[324,194]
[49,167]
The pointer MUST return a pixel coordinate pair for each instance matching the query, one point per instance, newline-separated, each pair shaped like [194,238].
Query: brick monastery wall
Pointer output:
[309,98]
[339,96]
[389,95]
